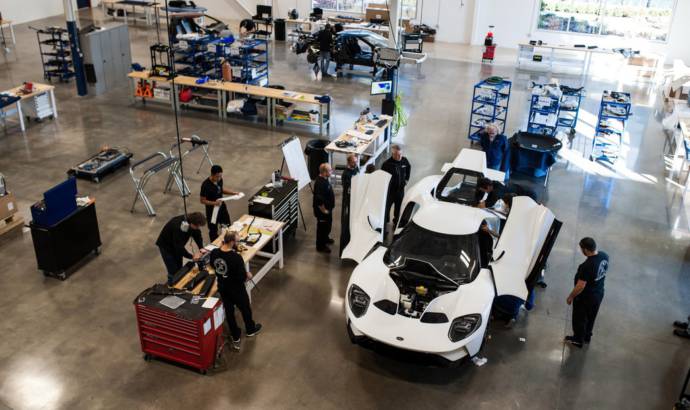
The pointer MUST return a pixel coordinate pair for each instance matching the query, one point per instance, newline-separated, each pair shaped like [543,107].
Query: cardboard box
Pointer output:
[8,206]
[377,12]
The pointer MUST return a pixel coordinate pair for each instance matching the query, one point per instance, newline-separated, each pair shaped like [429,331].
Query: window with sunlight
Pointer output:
[639,19]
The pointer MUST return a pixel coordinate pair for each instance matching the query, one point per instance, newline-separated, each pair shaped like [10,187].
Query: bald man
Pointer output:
[323,204]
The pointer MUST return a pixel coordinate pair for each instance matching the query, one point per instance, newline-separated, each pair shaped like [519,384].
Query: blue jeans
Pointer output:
[325,60]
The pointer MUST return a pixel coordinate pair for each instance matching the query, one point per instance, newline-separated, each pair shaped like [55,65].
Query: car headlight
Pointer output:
[464,326]
[358,300]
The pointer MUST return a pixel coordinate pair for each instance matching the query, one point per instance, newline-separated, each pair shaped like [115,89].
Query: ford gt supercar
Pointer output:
[432,289]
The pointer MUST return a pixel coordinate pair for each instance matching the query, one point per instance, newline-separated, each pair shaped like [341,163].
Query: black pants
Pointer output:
[324,222]
[223,219]
[237,298]
[172,262]
[394,198]
[584,314]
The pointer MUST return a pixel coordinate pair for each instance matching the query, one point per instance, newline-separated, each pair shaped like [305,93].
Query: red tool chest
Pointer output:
[190,335]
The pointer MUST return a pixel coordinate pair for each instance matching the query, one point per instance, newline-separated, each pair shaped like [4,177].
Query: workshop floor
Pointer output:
[74,344]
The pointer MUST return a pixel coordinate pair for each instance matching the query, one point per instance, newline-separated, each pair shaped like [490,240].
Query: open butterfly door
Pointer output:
[524,246]
[367,213]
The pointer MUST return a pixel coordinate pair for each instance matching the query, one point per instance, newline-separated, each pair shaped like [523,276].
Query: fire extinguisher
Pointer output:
[489,39]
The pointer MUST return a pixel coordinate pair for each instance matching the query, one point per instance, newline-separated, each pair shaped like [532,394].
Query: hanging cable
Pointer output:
[171,61]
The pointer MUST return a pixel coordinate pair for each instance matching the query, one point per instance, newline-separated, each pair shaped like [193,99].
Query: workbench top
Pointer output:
[362,145]
[37,90]
[291,96]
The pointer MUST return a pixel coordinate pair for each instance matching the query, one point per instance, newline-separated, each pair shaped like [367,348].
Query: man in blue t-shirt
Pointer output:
[588,292]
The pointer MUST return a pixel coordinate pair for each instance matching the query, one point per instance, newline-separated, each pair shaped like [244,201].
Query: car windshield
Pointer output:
[453,257]
[459,186]
[375,39]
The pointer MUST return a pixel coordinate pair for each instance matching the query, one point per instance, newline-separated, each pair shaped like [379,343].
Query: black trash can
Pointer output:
[316,152]
[279,26]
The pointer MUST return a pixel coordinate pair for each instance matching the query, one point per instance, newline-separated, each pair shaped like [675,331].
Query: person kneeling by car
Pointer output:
[231,273]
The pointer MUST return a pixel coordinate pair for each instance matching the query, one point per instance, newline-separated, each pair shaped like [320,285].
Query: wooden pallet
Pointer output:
[10,223]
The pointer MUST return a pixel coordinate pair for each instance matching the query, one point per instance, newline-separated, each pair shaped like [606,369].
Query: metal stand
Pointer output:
[164,163]
[197,143]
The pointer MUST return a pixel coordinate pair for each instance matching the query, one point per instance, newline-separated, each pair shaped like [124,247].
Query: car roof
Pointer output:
[449,218]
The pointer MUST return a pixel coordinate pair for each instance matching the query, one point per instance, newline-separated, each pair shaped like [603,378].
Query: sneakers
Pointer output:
[257,329]
[571,340]
[236,343]
[319,76]
[313,75]
[681,333]
[680,325]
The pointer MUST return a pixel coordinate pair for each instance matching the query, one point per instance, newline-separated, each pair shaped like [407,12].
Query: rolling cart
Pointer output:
[56,56]
[614,112]
[101,164]
[489,106]
[188,334]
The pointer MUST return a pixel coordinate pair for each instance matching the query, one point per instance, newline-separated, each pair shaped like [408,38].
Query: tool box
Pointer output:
[185,332]
[101,164]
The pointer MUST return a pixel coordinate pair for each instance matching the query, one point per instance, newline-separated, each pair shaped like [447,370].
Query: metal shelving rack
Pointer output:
[196,59]
[250,62]
[568,114]
[614,112]
[544,110]
[490,102]
[54,47]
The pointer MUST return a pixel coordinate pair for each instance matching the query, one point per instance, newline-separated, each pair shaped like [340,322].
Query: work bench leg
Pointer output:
[52,101]
[21,115]
[280,247]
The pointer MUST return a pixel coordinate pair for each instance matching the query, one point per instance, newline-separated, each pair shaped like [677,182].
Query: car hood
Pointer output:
[373,277]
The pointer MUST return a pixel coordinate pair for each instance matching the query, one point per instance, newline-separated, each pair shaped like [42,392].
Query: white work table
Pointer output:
[371,147]
[42,97]
[548,52]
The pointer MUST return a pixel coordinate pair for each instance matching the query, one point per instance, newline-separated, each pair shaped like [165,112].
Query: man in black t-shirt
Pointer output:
[400,169]
[211,192]
[588,292]
[323,204]
[232,273]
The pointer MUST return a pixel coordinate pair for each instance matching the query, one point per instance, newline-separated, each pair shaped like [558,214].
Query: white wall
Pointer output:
[22,11]
[452,19]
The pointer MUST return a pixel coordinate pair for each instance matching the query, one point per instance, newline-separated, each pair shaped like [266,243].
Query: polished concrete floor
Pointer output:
[74,344]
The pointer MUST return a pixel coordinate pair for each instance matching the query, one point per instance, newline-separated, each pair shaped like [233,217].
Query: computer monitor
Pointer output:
[264,12]
[381,87]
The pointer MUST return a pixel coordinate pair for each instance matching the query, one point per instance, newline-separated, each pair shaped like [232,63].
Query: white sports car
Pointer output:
[432,290]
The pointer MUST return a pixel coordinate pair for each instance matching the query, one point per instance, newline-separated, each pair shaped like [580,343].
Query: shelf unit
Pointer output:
[614,112]
[249,62]
[569,110]
[195,57]
[544,110]
[490,102]
[56,55]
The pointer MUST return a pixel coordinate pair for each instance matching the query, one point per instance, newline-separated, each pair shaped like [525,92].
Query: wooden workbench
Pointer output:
[371,149]
[271,231]
[38,91]
[226,90]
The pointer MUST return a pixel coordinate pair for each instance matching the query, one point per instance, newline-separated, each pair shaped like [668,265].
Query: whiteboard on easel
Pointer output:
[296,163]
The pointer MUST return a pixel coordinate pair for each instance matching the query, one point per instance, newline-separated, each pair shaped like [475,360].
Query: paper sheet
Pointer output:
[207,326]
[262,200]
[210,303]
[218,317]
[214,216]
